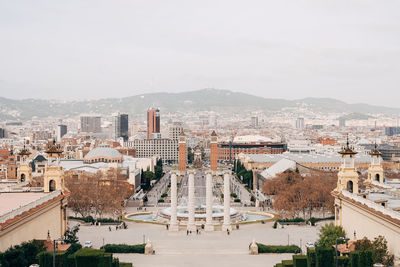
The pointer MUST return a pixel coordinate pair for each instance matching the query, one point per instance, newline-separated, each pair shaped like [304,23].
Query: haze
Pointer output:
[349,50]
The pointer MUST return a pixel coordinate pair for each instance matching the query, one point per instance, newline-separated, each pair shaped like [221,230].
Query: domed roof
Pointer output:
[106,152]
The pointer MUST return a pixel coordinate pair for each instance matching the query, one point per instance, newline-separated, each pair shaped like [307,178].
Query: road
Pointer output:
[159,188]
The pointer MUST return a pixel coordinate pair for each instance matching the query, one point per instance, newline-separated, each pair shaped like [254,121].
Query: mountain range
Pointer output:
[199,100]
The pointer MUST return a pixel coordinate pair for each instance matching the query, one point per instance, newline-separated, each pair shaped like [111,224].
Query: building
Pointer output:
[91,124]
[254,121]
[8,164]
[61,131]
[390,131]
[182,153]
[153,122]
[342,122]
[103,154]
[175,131]
[2,133]
[388,152]
[214,152]
[300,123]
[120,126]
[377,206]
[167,149]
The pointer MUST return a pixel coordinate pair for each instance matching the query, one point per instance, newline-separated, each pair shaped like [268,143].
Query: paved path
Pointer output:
[207,249]
[158,189]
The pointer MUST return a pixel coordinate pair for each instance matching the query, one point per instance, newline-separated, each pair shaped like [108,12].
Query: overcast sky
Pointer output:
[75,49]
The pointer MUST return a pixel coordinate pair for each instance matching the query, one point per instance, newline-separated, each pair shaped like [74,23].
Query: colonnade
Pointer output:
[191,223]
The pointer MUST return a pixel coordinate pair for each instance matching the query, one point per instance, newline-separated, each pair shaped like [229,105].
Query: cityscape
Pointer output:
[96,173]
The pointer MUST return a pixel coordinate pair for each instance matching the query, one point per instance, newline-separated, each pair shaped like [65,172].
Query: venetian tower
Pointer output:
[375,170]
[54,175]
[214,152]
[182,153]
[24,170]
[347,175]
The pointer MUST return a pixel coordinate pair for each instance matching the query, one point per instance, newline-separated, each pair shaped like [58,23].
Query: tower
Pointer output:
[375,170]
[24,170]
[54,175]
[153,122]
[182,153]
[347,175]
[214,152]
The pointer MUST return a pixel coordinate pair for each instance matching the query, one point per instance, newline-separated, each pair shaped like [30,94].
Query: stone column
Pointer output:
[191,226]
[209,196]
[173,224]
[227,201]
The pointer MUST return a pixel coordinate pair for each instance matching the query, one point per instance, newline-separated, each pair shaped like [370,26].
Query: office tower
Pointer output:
[153,123]
[2,133]
[175,130]
[61,131]
[390,131]
[254,121]
[120,126]
[300,123]
[90,124]
[342,122]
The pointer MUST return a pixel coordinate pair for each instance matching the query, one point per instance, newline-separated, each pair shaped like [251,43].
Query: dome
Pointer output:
[108,154]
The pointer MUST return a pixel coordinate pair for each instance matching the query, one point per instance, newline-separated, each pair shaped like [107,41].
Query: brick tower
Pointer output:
[182,153]
[214,152]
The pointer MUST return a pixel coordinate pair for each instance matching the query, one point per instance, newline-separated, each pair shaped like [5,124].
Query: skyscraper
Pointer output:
[153,122]
[300,123]
[61,131]
[120,126]
[91,124]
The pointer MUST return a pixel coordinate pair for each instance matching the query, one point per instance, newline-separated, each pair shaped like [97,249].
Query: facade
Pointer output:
[103,154]
[91,124]
[390,131]
[182,153]
[254,121]
[120,126]
[175,131]
[61,131]
[388,152]
[228,151]
[167,149]
[8,165]
[153,122]
[2,133]
[214,152]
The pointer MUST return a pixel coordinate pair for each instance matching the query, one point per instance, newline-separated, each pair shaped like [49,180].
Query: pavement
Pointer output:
[207,249]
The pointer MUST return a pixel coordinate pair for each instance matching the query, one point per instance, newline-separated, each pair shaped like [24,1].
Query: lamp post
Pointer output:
[336,252]
[54,250]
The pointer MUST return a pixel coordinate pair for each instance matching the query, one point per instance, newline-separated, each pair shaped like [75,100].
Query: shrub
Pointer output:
[123,248]
[278,249]
[312,221]
[161,200]
[73,248]
[164,195]
[275,225]
[22,255]
[237,200]
[124,264]
[287,263]
[325,256]
[365,258]
[297,219]
[311,258]
[89,257]
[354,259]
[233,195]
[90,219]
[46,259]
[299,261]
[343,261]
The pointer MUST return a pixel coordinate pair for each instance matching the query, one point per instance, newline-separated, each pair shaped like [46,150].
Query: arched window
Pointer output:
[23,177]
[377,177]
[350,186]
[52,185]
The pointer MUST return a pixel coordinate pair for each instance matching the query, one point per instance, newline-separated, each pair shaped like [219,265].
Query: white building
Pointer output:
[166,149]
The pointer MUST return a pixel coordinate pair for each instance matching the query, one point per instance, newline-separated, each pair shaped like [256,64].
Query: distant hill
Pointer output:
[199,100]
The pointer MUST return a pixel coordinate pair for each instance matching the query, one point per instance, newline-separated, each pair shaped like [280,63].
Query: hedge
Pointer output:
[278,249]
[124,264]
[354,258]
[278,265]
[90,219]
[297,219]
[343,261]
[89,257]
[46,258]
[299,260]
[287,263]
[123,248]
[325,257]
[362,258]
[311,258]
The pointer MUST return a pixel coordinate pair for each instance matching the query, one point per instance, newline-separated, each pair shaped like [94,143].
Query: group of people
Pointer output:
[117,227]
[198,232]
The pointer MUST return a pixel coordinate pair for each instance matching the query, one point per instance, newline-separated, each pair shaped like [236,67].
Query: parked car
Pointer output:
[88,244]
[310,245]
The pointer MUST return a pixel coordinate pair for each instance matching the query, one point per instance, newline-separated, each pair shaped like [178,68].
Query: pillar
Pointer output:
[209,196]
[227,201]
[214,152]
[191,226]
[173,224]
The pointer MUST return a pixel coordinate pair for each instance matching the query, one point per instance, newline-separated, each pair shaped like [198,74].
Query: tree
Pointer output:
[190,155]
[147,177]
[329,233]
[70,236]
[380,253]
[21,255]
[158,171]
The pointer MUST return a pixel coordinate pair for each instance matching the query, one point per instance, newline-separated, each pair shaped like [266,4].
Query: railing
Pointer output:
[22,209]
[373,205]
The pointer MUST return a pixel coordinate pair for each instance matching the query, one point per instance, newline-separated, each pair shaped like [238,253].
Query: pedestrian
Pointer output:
[187,232]
[109,228]
[116,227]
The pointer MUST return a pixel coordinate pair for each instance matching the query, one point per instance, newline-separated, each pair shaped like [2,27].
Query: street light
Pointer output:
[54,250]
[340,239]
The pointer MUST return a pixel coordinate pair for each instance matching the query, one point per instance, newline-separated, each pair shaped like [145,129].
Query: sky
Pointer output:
[90,49]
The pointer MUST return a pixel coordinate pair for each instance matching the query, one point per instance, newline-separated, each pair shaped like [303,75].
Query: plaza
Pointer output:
[206,249]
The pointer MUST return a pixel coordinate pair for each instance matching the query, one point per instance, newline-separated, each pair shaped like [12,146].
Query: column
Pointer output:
[191,226]
[209,196]
[173,224]
[227,201]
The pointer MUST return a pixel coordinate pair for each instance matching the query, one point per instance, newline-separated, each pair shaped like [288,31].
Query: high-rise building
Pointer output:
[390,131]
[90,124]
[342,122]
[182,153]
[300,123]
[120,126]
[2,133]
[254,121]
[214,152]
[153,122]
[175,130]
[61,131]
